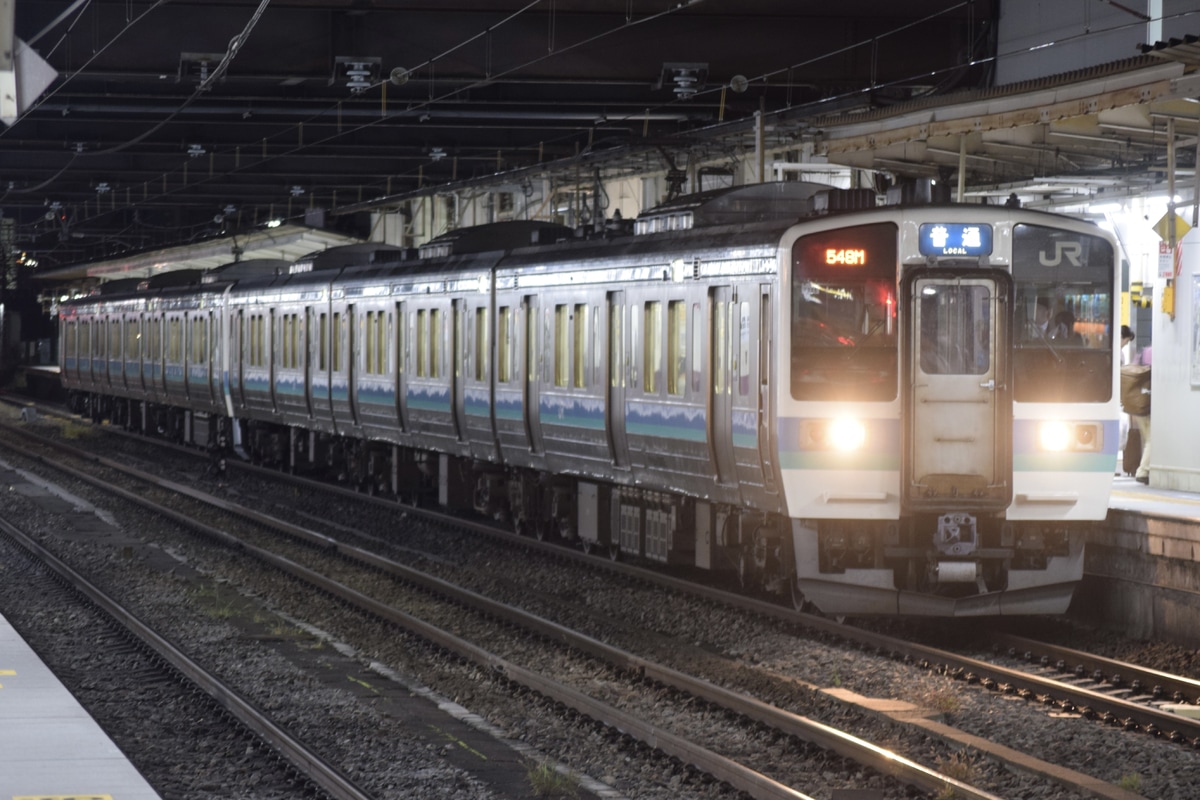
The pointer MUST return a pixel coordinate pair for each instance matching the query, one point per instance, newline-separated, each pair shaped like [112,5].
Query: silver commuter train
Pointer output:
[896,410]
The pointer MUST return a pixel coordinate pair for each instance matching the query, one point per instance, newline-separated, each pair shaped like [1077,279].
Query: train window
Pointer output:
[114,338]
[653,357]
[561,344]
[175,340]
[154,346]
[955,330]
[720,349]
[323,348]
[481,344]
[697,347]
[368,351]
[199,340]
[1063,315]
[597,345]
[616,352]
[743,357]
[504,344]
[844,337]
[579,355]
[422,343]
[677,347]
[133,337]
[435,343]
[339,336]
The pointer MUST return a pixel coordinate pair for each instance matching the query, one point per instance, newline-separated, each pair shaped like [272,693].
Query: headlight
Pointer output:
[1056,436]
[832,434]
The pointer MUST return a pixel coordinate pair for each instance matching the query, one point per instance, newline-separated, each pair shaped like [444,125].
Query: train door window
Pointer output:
[955,330]
[744,345]
[696,347]
[504,344]
[175,340]
[580,340]
[423,343]
[386,336]
[154,345]
[401,337]
[562,339]
[676,347]
[370,322]
[199,347]
[616,354]
[133,336]
[481,343]
[634,348]
[597,345]
[720,349]
[653,356]
[336,342]
[436,347]
[85,340]
[114,337]
[323,346]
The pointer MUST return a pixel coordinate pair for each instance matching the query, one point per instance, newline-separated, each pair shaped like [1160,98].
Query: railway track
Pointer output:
[160,661]
[942,663]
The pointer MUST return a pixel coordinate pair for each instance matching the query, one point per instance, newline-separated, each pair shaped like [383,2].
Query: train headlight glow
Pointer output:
[847,434]
[1054,436]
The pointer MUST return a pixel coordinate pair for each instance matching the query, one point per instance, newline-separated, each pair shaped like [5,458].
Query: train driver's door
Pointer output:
[960,418]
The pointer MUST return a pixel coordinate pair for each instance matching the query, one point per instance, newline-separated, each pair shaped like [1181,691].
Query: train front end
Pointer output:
[948,423]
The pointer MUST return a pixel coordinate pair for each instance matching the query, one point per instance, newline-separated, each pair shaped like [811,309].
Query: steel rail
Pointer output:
[307,763]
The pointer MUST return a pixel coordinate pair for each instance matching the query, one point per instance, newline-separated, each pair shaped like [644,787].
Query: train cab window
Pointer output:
[504,344]
[652,361]
[1063,316]
[579,348]
[844,336]
[676,347]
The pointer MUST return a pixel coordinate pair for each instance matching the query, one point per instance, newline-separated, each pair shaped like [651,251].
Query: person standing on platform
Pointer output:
[1135,400]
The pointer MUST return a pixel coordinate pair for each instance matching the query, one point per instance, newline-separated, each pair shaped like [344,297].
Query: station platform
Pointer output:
[1129,495]
[49,746]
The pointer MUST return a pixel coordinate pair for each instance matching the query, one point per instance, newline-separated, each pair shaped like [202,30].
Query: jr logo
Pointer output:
[1070,250]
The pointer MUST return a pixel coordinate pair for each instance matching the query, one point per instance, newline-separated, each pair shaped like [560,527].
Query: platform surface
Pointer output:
[50,748]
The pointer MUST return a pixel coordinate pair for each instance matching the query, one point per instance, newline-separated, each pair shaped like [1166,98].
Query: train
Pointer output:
[860,406]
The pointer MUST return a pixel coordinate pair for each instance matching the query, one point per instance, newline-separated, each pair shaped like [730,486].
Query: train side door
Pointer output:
[618,370]
[959,399]
[720,417]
